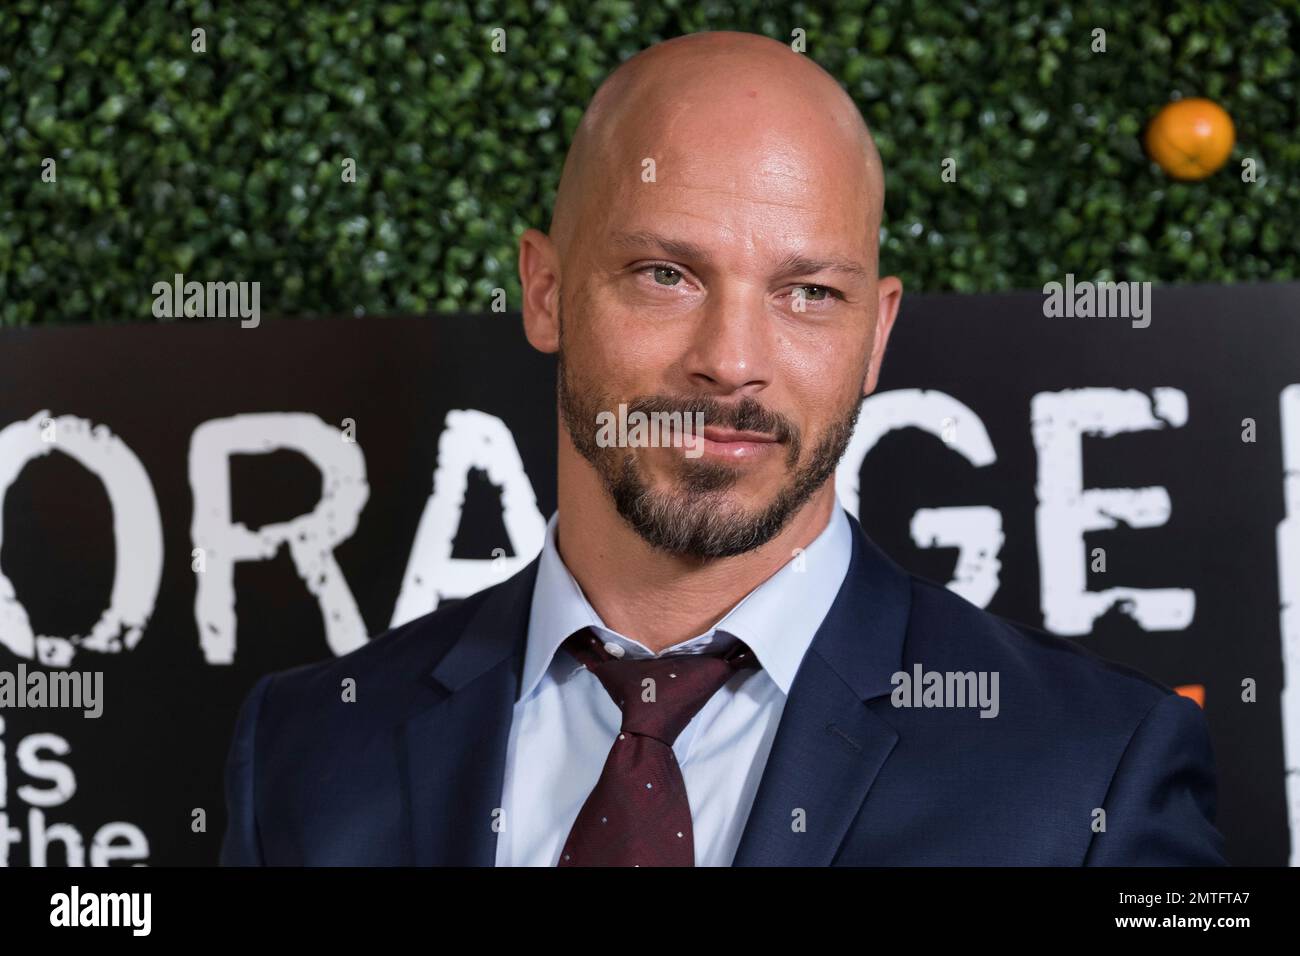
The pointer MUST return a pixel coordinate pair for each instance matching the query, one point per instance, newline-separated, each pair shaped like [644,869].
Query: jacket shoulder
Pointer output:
[388,671]
[1055,675]
[1077,732]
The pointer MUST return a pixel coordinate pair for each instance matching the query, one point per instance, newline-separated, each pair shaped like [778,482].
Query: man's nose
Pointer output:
[731,345]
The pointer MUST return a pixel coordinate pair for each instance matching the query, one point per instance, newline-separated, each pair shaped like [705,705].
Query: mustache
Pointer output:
[747,415]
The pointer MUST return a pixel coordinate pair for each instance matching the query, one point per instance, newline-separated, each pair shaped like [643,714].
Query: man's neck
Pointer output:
[649,595]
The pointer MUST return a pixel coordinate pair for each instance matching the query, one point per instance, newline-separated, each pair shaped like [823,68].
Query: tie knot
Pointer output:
[659,695]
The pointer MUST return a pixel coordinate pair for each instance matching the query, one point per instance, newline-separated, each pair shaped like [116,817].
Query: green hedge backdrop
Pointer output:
[225,165]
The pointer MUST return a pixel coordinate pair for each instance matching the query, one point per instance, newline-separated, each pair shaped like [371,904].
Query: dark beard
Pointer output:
[691,521]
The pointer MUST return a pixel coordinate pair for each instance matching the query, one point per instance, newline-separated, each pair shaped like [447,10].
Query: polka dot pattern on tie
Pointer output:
[638,812]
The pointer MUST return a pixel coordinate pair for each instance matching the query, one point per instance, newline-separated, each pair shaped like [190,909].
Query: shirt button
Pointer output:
[615,650]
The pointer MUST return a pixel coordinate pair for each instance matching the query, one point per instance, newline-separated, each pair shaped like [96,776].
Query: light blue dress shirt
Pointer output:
[565,721]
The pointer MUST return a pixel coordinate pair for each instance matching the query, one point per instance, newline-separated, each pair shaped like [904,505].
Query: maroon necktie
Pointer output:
[638,814]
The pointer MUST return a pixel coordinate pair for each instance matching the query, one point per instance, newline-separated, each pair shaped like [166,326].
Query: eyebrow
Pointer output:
[792,263]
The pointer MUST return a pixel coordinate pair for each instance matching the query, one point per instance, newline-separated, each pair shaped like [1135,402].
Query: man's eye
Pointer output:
[818,293]
[660,270]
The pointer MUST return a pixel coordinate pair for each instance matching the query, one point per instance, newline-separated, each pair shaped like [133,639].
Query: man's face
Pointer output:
[727,286]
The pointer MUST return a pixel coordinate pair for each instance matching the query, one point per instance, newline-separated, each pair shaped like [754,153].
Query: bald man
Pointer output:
[710,663]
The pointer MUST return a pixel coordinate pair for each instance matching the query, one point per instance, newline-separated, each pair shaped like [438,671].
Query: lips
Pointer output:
[737,447]
[727,436]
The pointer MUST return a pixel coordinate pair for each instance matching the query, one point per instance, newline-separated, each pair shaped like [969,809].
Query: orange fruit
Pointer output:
[1191,138]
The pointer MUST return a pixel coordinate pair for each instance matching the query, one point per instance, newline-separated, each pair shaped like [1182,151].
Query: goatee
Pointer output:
[694,519]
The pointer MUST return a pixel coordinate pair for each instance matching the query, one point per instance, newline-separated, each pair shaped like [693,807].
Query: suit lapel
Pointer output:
[829,746]
[454,745]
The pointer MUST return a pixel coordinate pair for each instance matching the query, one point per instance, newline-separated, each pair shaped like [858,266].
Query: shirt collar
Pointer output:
[778,619]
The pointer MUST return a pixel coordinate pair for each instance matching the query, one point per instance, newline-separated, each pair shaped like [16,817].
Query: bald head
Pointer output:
[743,99]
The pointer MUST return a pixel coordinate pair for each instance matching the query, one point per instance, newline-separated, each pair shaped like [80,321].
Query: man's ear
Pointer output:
[891,294]
[539,275]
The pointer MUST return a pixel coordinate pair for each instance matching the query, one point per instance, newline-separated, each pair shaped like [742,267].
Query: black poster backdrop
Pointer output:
[142,782]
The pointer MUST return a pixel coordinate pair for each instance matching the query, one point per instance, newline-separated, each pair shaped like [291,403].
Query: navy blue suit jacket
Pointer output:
[410,773]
